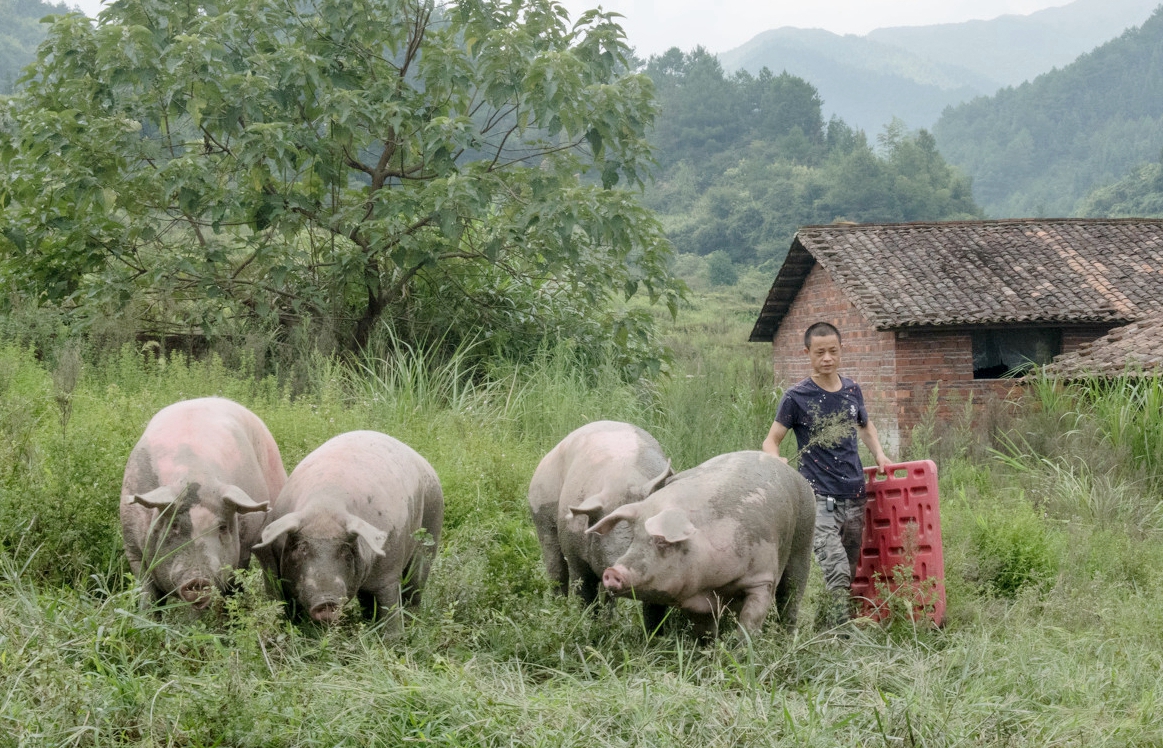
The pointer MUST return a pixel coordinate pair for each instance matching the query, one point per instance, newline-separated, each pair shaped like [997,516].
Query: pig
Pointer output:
[726,534]
[359,517]
[195,489]
[592,471]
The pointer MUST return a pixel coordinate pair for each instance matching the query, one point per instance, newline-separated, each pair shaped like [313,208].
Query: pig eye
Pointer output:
[223,527]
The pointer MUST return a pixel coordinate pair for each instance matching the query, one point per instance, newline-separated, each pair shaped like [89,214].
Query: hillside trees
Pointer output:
[336,163]
[746,160]
[1137,195]
[1040,148]
[20,33]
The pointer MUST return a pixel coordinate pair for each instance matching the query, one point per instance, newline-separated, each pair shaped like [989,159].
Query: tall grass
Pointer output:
[1053,549]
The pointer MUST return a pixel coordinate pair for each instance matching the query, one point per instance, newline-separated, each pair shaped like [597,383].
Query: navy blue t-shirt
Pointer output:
[832,466]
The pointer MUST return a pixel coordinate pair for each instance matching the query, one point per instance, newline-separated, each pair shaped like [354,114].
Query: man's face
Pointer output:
[824,354]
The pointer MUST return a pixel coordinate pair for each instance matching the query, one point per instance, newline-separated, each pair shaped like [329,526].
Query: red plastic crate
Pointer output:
[902,528]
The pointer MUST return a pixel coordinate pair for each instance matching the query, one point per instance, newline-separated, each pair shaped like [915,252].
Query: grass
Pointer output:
[1052,537]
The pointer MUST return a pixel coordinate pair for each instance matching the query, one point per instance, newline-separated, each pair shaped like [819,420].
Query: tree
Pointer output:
[720,269]
[282,161]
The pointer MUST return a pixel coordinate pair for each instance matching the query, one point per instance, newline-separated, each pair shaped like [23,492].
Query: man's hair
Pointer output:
[820,330]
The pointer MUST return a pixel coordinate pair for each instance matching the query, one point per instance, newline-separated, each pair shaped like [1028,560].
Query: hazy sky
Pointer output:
[654,26]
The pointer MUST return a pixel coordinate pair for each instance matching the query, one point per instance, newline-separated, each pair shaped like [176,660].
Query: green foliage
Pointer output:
[720,269]
[1013,549]
[1040,148]
[746,160]
[267,164]
[1137,195]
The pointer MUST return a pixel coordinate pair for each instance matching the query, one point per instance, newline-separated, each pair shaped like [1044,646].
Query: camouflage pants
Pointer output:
[837,539]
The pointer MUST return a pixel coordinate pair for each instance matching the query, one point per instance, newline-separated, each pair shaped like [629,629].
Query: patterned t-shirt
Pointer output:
[832,464]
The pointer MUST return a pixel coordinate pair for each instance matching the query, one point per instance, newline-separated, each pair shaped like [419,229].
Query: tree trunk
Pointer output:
[376,304]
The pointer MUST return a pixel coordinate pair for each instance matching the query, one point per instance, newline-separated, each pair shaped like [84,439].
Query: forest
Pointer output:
[744,160]
[1038,149]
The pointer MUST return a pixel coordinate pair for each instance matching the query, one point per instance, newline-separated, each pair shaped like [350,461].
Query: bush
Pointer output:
[720,269]
[1013,548]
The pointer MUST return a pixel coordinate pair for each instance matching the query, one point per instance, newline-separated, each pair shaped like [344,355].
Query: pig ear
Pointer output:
[280,527]
[159,498]
[670,526]
[656,483]
[591,507]
[628,512]
[370,534]
[237,499]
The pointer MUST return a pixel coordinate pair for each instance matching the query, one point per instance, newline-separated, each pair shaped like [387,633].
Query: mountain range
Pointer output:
[913,73]
[1039,149]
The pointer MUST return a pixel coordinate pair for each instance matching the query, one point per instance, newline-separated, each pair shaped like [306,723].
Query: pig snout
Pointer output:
[325,612]
[614,579]
[196,592]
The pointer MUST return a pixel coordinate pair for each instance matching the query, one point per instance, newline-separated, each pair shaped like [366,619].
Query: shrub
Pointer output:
[1013,548]
[720,270]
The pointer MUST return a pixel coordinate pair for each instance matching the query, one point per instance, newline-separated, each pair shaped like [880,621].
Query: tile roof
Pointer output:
[968,273]
[1136,348]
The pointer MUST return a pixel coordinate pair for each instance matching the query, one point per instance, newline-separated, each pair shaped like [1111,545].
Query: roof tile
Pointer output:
[1136,348]
[980,272]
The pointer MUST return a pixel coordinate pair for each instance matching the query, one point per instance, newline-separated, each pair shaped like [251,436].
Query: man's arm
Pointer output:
[774,438]
[869,436]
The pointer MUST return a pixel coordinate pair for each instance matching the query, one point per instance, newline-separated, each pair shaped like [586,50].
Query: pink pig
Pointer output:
[592,471]
[192,501]
[731,533]
[360,517]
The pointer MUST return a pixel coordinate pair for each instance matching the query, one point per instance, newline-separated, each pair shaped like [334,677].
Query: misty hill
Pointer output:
[864,82]
[1013,49]
[915,72]
[20,33]
[1040,148]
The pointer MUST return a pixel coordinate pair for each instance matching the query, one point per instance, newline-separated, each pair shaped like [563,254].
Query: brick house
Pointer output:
[956,305]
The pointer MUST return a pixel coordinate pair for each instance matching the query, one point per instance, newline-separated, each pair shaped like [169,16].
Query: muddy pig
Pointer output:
[592,471]
[359,517]
[730,533]
[193,497]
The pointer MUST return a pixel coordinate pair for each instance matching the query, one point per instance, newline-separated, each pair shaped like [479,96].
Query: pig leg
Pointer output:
[150,594]
[585,583]
[386,605]
[415,576]
[705,625]
[551,553]
[756,603]
[704,611]
[653,615]
[791,588]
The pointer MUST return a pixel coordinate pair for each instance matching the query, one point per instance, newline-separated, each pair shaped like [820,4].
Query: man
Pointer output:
[826,412]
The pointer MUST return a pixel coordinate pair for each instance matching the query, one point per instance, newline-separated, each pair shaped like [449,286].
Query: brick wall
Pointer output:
[867,356]
[941,360]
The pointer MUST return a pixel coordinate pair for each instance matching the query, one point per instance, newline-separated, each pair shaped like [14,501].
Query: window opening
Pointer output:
[1000,353]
